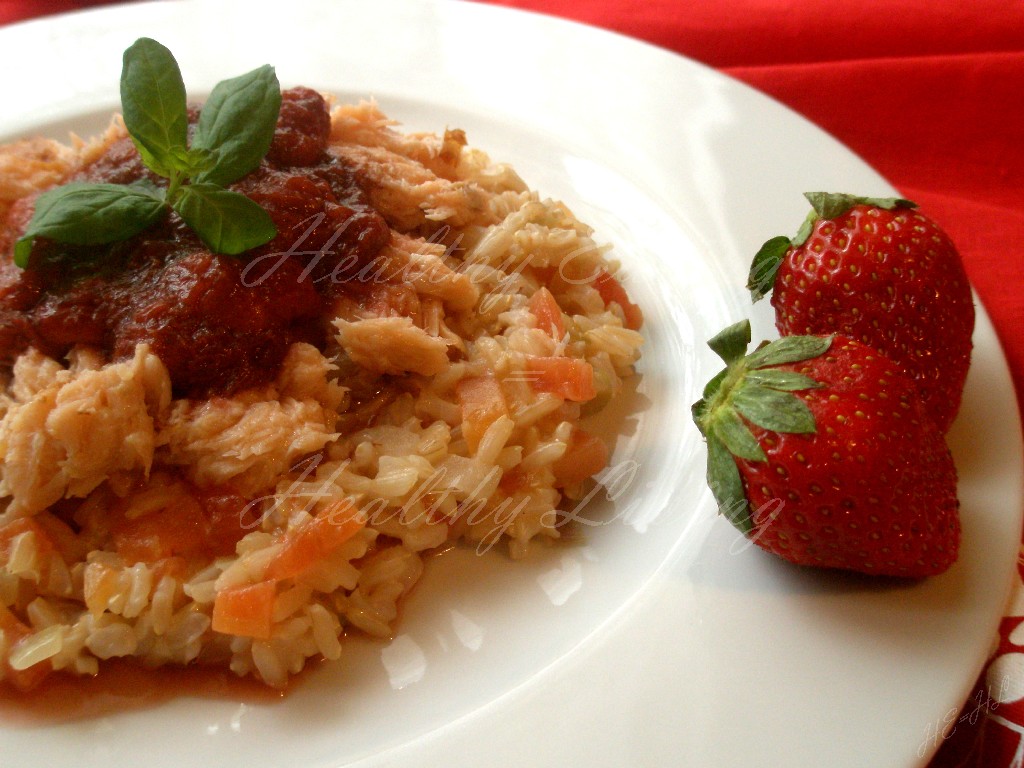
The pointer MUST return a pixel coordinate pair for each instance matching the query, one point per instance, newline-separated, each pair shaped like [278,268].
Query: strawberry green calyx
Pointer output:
[751,389]
[831,205]
[824,205]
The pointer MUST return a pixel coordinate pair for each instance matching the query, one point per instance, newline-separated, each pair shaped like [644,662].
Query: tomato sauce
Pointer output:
[124,686]
[219,323]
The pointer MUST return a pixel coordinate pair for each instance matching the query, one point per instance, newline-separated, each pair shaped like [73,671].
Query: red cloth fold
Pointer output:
[948,132]
[20,10]
[931,94]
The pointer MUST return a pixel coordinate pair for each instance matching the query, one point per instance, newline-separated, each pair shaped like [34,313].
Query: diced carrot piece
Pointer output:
[15,528]
[43,545]
[320,537]
[15,631]
[611,290]
[567,377]
[548,313]
[63,537]
[585,456]
[245,611]
[482,403]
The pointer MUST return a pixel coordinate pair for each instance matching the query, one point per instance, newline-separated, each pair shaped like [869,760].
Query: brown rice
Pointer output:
[476,245]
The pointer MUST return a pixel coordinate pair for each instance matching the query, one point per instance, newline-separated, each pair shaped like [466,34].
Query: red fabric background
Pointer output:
[930,93]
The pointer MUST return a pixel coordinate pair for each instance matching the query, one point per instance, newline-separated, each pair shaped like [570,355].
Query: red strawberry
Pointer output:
[878,271]
[820,452]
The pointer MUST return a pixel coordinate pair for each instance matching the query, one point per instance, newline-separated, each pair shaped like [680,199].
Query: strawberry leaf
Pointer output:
[731,344]
[736,435]
[787,381]
[830,205]
[765,267]
[746,389]
[700,407]
[727,486]
[789,349]
[824,205]
[773,410]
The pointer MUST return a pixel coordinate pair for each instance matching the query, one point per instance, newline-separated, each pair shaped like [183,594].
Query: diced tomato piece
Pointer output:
[175,567]
[611,290]
[228,518]
[208,523]
[548,313]
[15,631]
[482,403]
[245,611]
[177,529]
[585,456]
[317,539]
[567,377]
[514,480]
[545,275]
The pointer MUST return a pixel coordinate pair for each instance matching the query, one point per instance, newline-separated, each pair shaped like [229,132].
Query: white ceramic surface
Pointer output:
[661,639]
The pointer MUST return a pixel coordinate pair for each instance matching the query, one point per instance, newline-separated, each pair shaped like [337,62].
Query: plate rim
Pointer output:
[142,10]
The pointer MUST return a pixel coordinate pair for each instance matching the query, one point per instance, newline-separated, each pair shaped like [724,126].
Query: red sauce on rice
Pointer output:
[219,323]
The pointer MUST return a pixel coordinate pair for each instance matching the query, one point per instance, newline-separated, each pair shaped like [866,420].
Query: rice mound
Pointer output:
[467,439]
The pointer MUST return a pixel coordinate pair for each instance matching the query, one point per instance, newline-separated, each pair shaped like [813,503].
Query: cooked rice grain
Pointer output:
[374,435]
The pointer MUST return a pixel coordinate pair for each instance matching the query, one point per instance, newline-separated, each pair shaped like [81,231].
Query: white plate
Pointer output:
[662,640]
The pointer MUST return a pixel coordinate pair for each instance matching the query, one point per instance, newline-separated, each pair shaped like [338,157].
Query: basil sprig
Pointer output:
[234,132]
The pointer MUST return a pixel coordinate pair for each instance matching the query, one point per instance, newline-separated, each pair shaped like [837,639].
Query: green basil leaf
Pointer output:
[227,222]
[90,214]
[237,124]
[199,160]
[153,105]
